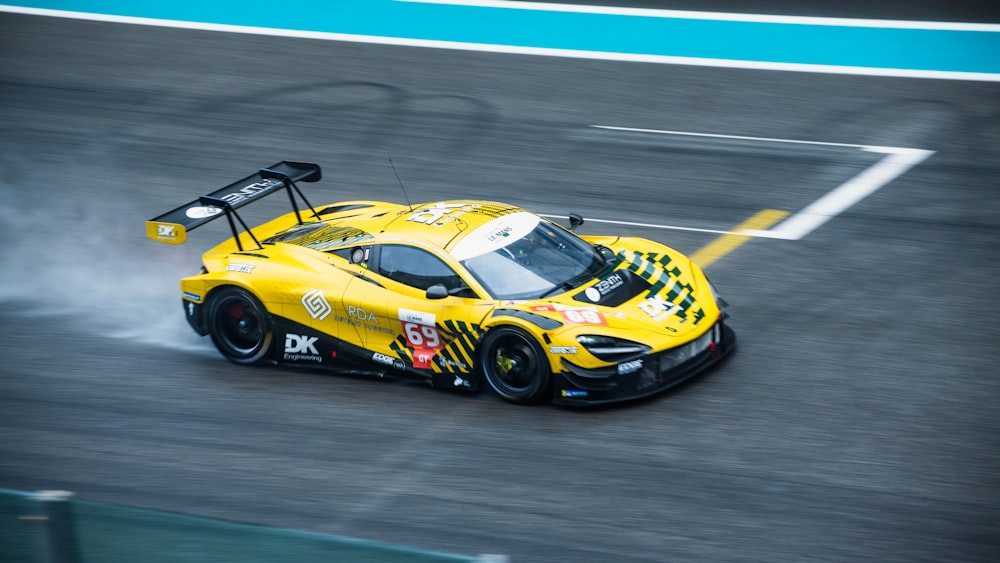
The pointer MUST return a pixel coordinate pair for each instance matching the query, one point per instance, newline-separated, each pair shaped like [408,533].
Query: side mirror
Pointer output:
[437,291]
[575,220]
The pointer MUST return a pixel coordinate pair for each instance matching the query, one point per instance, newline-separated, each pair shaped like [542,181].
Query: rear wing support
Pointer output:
[172,227]
[269,174]
[230,213]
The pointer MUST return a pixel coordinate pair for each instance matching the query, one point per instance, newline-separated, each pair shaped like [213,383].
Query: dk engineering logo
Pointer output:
[300,347]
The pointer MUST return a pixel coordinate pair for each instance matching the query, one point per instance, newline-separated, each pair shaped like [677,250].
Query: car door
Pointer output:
[402,323]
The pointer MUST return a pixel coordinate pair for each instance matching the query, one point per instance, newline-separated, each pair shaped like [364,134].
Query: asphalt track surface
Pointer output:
[857,421]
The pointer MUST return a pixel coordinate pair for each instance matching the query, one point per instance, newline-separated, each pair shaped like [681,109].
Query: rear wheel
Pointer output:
[515,365]
[240,326]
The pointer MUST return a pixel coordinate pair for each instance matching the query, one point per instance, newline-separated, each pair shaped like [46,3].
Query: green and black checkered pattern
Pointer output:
[664,277]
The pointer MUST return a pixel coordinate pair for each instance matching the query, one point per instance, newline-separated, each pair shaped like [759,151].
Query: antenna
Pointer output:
[401,185]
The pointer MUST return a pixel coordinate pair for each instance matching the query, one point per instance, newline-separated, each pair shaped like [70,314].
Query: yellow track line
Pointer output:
[725,244]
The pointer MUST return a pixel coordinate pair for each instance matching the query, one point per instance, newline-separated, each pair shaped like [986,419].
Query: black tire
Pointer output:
[240,326]
[515,365]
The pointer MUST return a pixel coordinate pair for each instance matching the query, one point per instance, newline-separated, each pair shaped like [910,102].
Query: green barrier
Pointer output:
[53,527]
[20,530]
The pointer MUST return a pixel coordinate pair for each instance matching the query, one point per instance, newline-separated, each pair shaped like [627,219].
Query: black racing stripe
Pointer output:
[541,322]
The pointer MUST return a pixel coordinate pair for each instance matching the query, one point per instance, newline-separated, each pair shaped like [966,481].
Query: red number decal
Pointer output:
[421,336]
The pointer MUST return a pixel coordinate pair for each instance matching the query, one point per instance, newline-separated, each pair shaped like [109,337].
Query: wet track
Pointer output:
[857,421]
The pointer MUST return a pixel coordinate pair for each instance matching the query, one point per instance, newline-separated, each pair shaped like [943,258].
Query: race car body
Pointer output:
[461,293]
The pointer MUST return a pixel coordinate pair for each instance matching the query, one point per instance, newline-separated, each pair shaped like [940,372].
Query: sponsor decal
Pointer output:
[247,192]
[168,233]
[664,278]
[422,358]
[358,317]
[190,309]
[574,315]
[434,214]
[499,233]
[459,382]
[316,304]
[361,314]
[419,329]
[241,268]
[446,363]
[203,211]
[604,287]
[494,234]
[192,296]
[658,308]
[388,360]
[300,347]
[630,367]
[419,317]
[422,335]
[574,393]
[568,350]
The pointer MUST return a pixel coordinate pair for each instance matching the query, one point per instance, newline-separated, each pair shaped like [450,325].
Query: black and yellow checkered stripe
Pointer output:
[664,277]
[457,356]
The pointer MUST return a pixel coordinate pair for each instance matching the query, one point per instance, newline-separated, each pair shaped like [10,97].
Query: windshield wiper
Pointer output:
[564,286]
[569,284]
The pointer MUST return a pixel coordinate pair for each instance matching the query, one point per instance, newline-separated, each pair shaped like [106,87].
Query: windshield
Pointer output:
[521,256]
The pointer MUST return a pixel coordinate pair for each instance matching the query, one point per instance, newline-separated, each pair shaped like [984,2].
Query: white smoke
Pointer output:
[73,253]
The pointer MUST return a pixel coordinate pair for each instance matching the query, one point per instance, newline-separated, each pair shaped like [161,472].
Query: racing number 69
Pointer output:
[584,316]
[421,336]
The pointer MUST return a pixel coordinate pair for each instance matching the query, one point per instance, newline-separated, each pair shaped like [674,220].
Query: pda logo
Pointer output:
[299,344]
[316,304]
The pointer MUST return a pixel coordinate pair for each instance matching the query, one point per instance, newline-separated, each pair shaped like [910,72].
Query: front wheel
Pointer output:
[515,365]
[240,326]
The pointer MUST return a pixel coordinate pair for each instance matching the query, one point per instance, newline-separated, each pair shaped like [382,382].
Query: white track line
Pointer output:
[898,161]
[727,137]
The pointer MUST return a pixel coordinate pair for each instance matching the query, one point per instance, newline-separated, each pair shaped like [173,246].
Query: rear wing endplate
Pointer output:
[172,227]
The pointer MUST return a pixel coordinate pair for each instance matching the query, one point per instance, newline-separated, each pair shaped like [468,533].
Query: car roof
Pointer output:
[441,224]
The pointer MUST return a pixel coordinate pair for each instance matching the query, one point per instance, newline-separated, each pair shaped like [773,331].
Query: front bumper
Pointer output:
[658,372]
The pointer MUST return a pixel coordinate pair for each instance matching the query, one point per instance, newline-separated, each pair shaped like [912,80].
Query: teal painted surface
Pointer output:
[912,49]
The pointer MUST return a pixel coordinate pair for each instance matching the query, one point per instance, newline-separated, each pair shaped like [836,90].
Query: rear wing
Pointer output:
[172,227]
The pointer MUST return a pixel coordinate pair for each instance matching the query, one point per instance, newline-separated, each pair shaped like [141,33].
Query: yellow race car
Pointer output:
[458,293]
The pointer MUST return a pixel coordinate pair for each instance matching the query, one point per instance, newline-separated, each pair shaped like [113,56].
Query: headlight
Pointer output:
[612,349]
